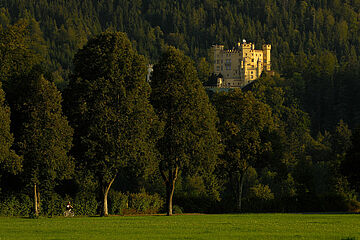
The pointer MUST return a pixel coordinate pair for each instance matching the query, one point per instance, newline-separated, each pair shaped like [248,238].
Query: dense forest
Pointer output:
[79,122]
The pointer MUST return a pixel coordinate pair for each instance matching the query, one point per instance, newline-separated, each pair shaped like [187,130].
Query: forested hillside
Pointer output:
[290,26]
[289,142]
[318,39]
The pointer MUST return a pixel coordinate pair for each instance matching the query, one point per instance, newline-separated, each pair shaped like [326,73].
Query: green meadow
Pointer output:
[226,226]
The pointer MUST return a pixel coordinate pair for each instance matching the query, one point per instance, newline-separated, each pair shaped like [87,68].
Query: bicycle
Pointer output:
[68,213]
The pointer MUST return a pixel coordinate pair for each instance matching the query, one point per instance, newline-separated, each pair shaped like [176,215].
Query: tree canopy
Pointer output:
[190,142]
[108,105]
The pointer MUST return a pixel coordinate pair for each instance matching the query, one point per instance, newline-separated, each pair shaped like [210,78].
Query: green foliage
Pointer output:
[190,142]
[16,205]
[315,47]
[198,193]
[119,202]
[177,209]
[262,192]
[135,203]
[108,106]
[244,121]
[52,204]
[350,165]
[108,92]
[9,160]
[182,104]
[17,55]
[145,203]
[44,136]
[315,44]
[85,204]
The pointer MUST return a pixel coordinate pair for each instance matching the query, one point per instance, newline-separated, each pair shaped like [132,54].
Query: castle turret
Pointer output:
[217,57]
[267,60]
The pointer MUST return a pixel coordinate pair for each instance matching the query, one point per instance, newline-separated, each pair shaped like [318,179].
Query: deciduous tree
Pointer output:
[9,160]
[243,122]
[43,134]
[191,142]
[108,104]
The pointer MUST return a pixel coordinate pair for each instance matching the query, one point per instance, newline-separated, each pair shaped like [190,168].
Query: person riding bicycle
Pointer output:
[69,207]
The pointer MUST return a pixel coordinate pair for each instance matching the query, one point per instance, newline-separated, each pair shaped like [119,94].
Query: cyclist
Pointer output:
[69,207]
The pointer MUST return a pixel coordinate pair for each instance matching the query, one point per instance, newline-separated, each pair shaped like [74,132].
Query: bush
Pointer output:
[85,204]
[19,205]
[353,206]
[177,209]
[52,205]
[134,203]
[118,202]
[260,199]
[145,203]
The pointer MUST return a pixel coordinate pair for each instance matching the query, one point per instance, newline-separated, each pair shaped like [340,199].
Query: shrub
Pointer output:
[260,198]
[177,209]
[118,202]
[145,203]
[19,205]
[134,203]
[85,204]
[52,205]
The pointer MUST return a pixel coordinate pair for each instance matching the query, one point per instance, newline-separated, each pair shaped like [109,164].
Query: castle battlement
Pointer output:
[241,65]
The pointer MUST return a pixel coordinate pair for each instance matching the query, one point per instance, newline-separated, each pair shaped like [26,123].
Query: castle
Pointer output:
[240,66]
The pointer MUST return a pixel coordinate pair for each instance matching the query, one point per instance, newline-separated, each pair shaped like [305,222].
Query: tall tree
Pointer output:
[43,134]
[108,104]
[244,121]
[191,142]
[9,160]
[350,166]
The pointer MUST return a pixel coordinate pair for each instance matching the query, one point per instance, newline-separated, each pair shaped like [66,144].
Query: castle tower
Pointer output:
[267,60]
[217,57]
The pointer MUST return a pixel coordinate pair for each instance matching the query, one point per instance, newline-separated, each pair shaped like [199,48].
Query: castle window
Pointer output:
[217,68]
[217,61]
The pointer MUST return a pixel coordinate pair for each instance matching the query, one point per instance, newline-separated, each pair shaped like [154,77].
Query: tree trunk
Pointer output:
[240,190]
[106,212]
[170,187]
[36,201]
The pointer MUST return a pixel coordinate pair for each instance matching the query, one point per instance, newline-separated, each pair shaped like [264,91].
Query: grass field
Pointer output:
[227,226]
